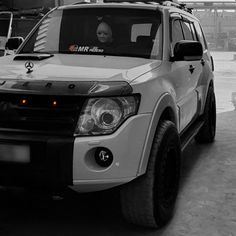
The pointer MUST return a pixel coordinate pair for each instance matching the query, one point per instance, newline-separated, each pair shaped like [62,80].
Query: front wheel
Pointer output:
[150,199]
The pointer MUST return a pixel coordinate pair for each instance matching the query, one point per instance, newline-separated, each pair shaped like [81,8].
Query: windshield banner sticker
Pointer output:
[76,48]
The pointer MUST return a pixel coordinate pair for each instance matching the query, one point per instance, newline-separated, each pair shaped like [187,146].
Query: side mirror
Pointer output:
[186,50]
[14,43]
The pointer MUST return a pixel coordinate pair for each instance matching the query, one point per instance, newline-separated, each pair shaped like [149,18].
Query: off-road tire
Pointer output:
[207,133]
[150,199]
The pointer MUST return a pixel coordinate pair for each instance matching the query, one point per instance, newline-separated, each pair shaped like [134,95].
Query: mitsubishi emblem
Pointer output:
[29,66]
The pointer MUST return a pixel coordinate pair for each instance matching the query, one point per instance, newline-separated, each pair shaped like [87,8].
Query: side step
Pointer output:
[191,132]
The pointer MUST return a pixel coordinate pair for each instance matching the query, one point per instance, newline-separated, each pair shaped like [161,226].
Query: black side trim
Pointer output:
[190,133]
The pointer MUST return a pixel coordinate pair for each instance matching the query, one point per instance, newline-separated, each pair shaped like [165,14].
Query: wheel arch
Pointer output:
[165,109]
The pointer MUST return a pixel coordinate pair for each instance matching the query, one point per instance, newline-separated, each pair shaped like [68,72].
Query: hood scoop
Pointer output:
[32,56]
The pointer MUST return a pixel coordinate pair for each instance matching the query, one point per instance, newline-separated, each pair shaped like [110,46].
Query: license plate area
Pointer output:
[16,153]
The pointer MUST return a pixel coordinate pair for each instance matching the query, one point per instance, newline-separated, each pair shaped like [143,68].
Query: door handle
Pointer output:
[203,61]
[191,68]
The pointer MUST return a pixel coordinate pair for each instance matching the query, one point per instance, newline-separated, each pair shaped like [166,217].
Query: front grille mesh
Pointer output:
[40,113]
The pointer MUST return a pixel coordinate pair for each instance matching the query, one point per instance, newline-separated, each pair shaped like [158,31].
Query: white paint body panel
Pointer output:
[126,145]
[62,67]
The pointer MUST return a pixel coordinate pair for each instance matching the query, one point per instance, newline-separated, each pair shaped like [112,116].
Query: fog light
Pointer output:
[103,157]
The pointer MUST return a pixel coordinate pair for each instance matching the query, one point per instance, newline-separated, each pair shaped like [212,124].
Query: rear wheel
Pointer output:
[150,199]
[207,133]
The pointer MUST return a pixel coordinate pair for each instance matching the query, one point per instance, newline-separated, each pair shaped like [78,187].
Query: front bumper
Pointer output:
[127,145]
[57,162]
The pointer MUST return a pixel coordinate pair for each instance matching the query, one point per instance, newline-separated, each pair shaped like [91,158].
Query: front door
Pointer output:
[186,75]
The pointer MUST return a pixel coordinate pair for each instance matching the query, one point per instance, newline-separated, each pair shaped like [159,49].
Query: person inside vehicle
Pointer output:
[104,33]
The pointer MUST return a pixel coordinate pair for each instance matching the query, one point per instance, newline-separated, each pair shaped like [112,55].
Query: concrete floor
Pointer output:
[206,204]
[207,201]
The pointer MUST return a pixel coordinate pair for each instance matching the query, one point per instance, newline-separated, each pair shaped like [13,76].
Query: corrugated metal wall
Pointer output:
[28,4]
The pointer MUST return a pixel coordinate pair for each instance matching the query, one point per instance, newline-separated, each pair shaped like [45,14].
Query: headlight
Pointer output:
[104,115]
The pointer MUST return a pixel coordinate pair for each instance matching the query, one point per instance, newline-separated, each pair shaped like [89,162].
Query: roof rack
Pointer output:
[135,1]
[173,3]
[81,2]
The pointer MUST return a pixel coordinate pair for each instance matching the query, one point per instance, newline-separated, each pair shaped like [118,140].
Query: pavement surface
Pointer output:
[206,204]
[225,80]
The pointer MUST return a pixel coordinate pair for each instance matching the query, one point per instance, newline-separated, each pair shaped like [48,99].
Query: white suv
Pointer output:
[108,94]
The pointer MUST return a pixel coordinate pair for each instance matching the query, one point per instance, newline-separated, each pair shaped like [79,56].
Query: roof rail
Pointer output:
[81,2]
[173,3]
[176,3]
[135,1]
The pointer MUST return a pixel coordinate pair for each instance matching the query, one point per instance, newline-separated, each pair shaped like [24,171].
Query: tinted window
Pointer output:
[140,30]
[103,31]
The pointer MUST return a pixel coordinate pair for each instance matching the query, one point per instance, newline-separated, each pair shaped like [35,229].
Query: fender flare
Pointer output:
[209,84]
[166,101]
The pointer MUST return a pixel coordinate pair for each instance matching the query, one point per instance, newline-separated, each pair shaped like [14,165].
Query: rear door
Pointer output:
[5,30]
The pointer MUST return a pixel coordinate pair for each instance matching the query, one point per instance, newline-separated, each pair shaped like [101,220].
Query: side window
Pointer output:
[177,33]
[200,35]
[193,32]
[188,35]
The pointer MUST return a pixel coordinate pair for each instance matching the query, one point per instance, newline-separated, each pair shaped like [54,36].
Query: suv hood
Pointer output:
[63,67]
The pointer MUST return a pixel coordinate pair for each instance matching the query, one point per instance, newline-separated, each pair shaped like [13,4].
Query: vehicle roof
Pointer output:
[139,5]
[176,10]
[132,5]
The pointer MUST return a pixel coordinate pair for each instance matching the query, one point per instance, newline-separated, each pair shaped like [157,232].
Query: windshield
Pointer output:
[100,31]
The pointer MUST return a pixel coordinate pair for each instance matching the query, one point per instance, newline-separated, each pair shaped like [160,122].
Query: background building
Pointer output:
[218,20]
[26,4]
